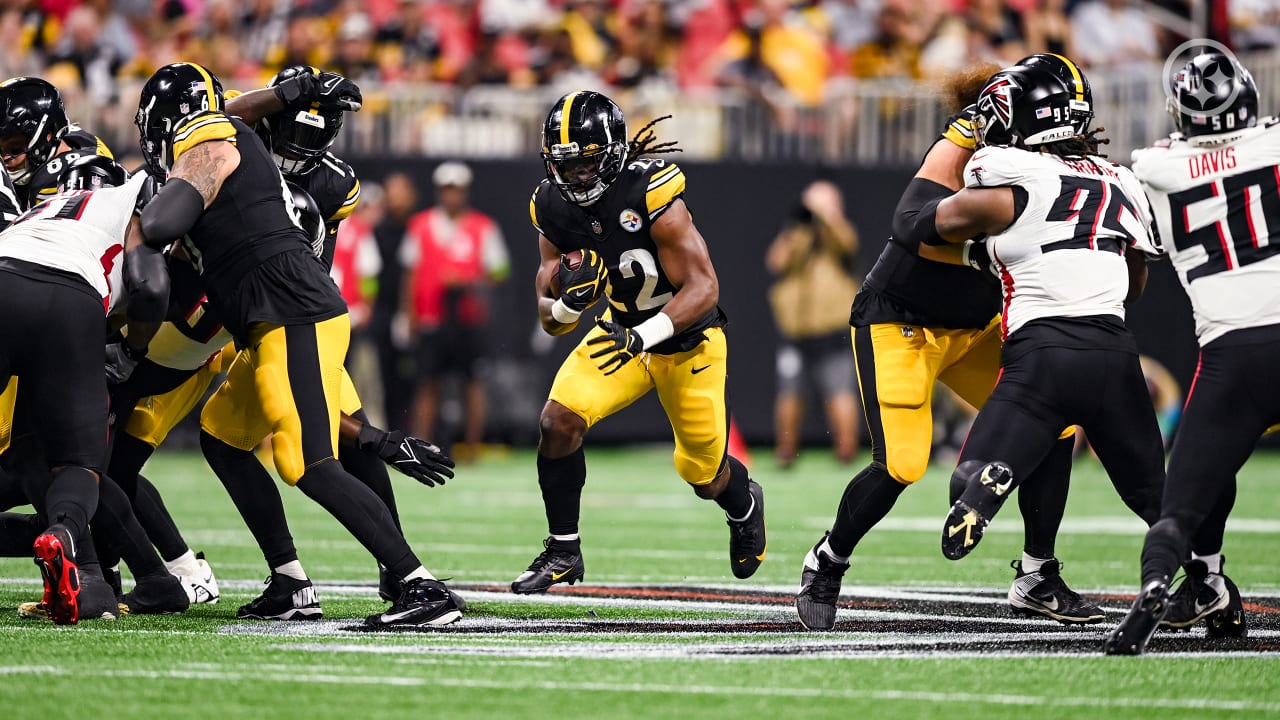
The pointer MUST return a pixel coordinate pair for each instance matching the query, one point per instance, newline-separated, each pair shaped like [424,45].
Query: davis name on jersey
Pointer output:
[81,233]
[1218,211]
[1063,256]
[617,226]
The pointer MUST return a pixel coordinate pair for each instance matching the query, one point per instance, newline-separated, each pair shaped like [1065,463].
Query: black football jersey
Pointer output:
[10,208]
[44,181]
[617,227]
[334,187]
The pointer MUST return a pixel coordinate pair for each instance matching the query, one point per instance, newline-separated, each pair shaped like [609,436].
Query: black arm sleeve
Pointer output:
[913,219]
[171,213]
[146,280]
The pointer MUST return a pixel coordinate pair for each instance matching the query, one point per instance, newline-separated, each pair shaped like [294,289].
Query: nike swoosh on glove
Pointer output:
[412,456]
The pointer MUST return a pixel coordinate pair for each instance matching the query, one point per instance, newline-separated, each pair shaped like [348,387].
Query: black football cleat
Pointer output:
[747,545]
[390,587]
[55,555]
[978,504]
[159,595]
[422,603]
[1211,597]
[1045,593]
[284,598]
[819,589]
[561,562]
[1132,634]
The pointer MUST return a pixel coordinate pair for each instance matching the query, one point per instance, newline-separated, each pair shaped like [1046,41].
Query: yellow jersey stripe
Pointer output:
[1075,75]
[960,133]
[662,176]
[217,128]
[658,198]
[214,101]
[349,205]
[533,210]
[564,117]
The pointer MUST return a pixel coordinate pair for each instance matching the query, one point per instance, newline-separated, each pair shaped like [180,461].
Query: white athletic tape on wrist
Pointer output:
[563,314]
[655,330]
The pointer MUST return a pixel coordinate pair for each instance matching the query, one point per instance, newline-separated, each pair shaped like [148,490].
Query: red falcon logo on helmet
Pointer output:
[997,99]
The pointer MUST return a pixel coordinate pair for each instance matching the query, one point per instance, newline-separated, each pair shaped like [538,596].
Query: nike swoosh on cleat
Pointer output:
[555,576]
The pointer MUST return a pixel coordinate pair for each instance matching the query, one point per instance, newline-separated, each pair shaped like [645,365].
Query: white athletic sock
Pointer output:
[565,538]
[749,511]
[420,574]
[185,564]
[1214,561]
[1032,564]
[825,548]
[293,569]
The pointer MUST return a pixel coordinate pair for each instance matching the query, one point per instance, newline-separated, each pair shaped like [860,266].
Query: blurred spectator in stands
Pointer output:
[555,65]
[704,25]
[18,35]
[95,61]
[894,52]
[647,46]
[305,43]
[1112,34]
[388,328]
[767,48]
[813,258]
[514,16]
[408,44]
[452,256]
[988,31]
[262,27]
[1255,24]
[1047,29]
[586,21]
[354,54]
[496,62]
[456,26]
[356,266]
[853,22]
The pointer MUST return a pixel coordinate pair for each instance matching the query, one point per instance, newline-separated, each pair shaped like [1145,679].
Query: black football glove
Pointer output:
[580,288]
[978,257]
[150,187]
[336,92]
[621,346]
[299,88]
[121,361]
[412,456]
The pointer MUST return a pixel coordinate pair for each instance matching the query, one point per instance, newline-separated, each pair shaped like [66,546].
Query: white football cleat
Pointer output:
[201,586]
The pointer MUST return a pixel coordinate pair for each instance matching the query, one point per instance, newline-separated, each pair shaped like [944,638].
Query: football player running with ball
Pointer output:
[625,213]
[1213,188]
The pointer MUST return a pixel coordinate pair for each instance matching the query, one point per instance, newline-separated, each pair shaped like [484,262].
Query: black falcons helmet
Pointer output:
[1213,94]
[92,172]
[307,213]
[32,108]
[174,93]
[1081,91]
[1023,107]
[584,145]
[299,136]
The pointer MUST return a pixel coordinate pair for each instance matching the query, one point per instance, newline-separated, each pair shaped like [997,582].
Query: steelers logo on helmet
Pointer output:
[584,145]
[1212,94]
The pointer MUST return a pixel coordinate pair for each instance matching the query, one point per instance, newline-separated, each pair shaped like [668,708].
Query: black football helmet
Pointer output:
[174,93]
[1081,101]
[1213,94]
[307,213]
[32,108]
[584,145]
[298,137]
[1024,106]
[92,172]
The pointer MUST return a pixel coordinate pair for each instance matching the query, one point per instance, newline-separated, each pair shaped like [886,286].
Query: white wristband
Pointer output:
[654,330]
[964,255]
[563,314]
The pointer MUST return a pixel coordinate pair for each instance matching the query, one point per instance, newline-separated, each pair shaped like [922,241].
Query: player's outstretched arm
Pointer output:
[974,212]
[417,458]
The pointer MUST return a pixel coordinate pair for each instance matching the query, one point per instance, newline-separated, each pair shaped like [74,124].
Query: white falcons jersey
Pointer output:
[1218,211]
[80,232]
[1064,254]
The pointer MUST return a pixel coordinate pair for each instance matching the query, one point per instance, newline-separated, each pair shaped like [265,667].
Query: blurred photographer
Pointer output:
[813,259]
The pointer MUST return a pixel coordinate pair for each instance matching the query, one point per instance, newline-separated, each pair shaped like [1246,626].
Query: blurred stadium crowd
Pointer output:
[797,47]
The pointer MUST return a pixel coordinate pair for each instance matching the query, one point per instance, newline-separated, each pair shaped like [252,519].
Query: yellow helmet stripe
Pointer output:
[564,116]
[208,85]
[1075,75]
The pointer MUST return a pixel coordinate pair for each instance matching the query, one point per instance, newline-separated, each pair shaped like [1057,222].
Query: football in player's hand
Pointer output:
[572,259]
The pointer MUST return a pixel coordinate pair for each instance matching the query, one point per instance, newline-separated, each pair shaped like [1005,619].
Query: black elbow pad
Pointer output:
[913,219]
[146,281]
[171,213]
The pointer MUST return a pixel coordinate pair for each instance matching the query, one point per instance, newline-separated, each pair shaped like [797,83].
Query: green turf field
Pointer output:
[660,628]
